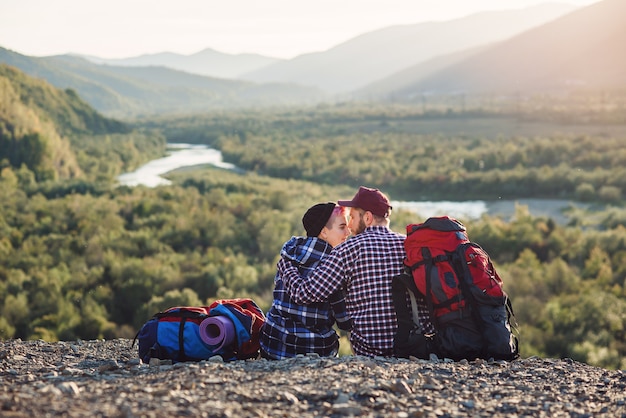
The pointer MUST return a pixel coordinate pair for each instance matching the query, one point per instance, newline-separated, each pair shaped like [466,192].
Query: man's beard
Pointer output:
[360,227]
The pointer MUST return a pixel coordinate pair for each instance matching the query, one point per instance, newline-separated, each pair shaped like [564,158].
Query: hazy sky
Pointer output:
[277,28]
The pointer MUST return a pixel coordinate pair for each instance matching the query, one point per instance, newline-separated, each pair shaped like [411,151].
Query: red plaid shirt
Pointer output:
[364,265]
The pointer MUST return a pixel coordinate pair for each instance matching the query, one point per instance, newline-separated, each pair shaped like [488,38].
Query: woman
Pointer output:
[292,329]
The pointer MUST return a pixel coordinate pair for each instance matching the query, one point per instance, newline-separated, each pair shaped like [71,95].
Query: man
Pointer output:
[363,267]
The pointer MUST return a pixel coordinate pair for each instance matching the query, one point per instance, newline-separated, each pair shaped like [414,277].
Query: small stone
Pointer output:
[51,389]
[108,366]
[291,398]
[69,387]
[401,387]
[342,398]
[468,404]
[133,362]
[347,410]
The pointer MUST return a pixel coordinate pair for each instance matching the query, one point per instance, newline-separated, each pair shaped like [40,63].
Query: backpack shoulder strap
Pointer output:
[400,286]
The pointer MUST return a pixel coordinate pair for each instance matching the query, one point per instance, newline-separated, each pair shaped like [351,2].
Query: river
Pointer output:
[474,209]
[185,155]
[180,155]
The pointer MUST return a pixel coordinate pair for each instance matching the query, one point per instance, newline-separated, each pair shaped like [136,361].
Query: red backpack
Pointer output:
[456,278]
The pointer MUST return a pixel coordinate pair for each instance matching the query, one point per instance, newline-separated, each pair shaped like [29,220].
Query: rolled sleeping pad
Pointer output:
[217,331]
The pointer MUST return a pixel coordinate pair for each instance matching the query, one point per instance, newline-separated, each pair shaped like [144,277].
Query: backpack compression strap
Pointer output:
[427,258]
[183,314]
[463,274]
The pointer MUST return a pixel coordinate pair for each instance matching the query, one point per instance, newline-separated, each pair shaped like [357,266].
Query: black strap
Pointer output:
[180,313]
[430,259]
[427,256]
[400,284]
[181,339]
[448,303]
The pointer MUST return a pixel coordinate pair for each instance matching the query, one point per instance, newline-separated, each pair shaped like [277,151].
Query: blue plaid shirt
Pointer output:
[363,266]
[292,328]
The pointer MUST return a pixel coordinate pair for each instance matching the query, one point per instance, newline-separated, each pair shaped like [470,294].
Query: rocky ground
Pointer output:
[106,379]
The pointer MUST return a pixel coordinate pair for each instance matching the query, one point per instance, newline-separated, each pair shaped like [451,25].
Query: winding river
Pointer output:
[185,155]
[180,155]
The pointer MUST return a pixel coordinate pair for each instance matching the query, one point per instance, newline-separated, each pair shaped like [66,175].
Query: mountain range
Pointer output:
[363,59]
[583,50]
[208,62]
[378,54]
[124,92]
[490,52]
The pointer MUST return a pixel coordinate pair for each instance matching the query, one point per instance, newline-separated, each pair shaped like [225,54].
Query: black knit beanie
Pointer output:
[317,217]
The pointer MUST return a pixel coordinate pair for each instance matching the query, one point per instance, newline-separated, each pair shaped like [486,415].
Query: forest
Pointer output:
[83,258]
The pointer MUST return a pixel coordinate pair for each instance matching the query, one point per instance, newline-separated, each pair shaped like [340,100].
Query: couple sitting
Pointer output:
[324,278]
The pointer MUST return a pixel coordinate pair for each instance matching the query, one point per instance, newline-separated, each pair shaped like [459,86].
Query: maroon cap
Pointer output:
[372,200]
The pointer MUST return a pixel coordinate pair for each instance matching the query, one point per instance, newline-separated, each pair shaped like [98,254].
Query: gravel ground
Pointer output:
[106,379]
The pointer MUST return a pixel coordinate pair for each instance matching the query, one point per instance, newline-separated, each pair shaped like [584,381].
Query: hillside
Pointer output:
[105,378]
[394,86]
[52,134]
[582,50]
[208,62]
[132,91]
[378,54]
[34,121]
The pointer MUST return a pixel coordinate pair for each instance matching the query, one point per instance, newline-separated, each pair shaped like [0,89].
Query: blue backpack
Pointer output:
[229,328]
